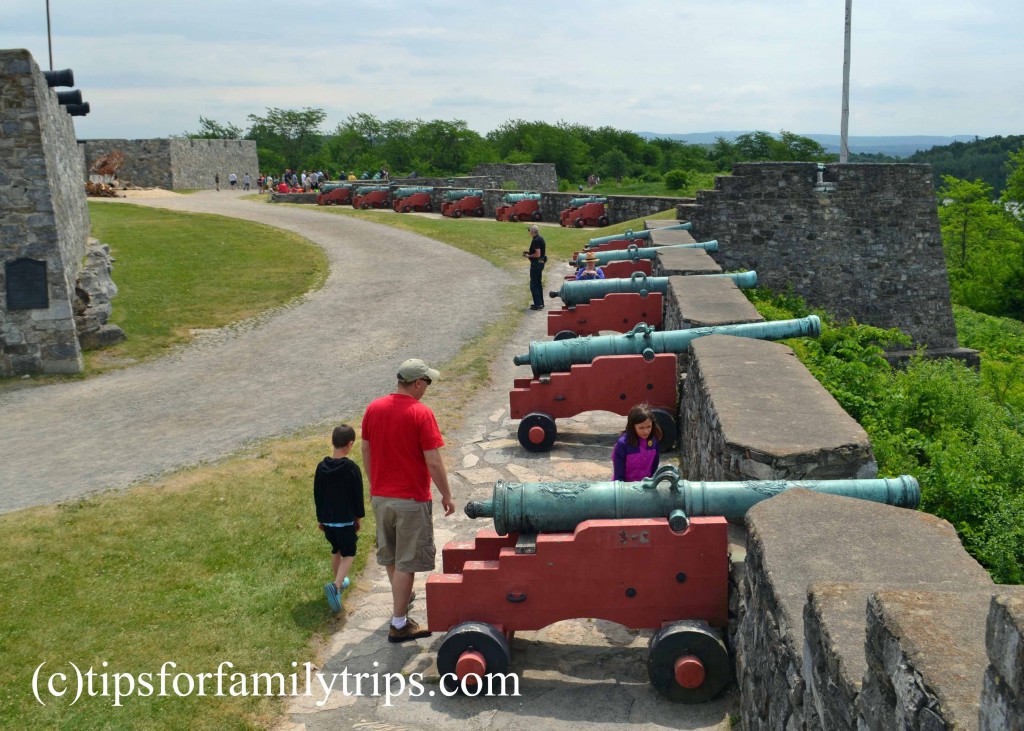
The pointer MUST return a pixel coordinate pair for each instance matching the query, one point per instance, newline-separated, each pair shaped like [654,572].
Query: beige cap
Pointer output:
[414,369]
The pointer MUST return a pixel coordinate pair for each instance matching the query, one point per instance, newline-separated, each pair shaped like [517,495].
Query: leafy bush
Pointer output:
[677,179]
[935,419]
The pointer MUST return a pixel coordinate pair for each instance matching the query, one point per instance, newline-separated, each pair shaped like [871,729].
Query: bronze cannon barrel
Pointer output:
[558,507]
[555,356]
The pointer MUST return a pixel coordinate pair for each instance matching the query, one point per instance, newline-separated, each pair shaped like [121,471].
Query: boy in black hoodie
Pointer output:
[338,494]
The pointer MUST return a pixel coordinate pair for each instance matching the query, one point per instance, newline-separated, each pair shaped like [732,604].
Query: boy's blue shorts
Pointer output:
[342,540]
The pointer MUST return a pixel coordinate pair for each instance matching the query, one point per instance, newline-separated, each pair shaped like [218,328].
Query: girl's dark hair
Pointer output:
[637,415]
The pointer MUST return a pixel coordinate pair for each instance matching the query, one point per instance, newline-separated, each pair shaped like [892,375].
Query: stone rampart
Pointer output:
[535,176]
[863,241]
[177,164]
[44,223]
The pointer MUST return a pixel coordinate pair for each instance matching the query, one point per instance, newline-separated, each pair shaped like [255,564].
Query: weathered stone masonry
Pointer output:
[863,242]
[178,164]
[44,222]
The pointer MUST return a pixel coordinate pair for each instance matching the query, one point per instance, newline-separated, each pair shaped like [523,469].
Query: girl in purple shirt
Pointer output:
[635,455]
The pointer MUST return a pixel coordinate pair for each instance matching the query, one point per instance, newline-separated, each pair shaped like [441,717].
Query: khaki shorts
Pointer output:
[405,533]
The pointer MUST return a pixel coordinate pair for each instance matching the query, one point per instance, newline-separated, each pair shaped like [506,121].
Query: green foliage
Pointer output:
[677,179]
[1014,191]
[293,134]
[212,130]
[982,158]
[957,431]
[984,247]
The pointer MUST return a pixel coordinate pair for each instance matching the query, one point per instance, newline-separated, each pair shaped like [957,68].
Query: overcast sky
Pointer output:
[151,68]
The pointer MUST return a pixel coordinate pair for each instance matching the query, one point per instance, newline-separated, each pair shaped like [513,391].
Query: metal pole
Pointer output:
[844,149]
[49,37]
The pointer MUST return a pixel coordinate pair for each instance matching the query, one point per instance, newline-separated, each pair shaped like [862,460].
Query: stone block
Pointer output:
[1002,696]
[926,659]
[799,539]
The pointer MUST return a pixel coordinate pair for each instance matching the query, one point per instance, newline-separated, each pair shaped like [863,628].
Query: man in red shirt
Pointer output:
[400,454]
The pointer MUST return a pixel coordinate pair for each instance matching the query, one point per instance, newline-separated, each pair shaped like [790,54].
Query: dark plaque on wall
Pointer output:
[26,285]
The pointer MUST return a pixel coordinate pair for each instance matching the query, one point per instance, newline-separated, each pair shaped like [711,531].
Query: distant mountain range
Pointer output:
[897,146]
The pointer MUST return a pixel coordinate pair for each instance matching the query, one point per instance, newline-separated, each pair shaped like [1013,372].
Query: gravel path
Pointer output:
[390,295]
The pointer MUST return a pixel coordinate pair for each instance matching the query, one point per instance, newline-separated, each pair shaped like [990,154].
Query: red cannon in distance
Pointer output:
[412,199]
[459,203]
[371,196]
[585,212]
[519,207]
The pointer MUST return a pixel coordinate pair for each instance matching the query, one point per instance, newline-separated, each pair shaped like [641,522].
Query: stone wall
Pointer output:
[44,223]
[1002,696]
[618,209]
[862,242]
[177,164]
[535,177]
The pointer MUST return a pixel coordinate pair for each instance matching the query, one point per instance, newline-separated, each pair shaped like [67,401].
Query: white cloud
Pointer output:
[151,69]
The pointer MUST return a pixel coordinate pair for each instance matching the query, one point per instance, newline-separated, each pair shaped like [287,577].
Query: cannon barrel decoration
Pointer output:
[406,192]
[457,195]
[635,253]
[578,292]
[558,356]
[559,507]
[511,198]
[579,202]
[631,234]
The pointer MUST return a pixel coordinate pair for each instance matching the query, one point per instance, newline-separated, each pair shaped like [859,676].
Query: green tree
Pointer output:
[1014,191]
[291,133]
[212,130]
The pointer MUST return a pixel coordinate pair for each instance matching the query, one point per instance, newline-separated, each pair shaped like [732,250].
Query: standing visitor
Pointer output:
[537,255]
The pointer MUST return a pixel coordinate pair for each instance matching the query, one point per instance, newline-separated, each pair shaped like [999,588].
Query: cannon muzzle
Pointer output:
[69,97]
[580,202]
[558,507]
[579,292]
[60,77]
[77,110]
[559,356]
[636,253]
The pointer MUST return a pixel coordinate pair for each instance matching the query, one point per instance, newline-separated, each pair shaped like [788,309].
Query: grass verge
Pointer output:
[177,272]
[217,563]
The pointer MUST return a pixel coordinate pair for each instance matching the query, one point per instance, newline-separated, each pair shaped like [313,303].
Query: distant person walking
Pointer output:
[216,181]
[246,181]
[400,447]
[537,254]
[233,180]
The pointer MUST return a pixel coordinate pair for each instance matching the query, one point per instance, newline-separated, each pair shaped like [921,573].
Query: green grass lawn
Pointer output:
[220,562]
[182,271]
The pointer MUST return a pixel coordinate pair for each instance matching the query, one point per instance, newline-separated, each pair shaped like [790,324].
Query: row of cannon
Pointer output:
[651,554]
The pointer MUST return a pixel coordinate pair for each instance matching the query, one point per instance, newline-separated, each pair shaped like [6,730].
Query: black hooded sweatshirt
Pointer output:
[338,491]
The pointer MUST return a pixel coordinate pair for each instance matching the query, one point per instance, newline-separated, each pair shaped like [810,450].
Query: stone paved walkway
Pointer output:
[578,674]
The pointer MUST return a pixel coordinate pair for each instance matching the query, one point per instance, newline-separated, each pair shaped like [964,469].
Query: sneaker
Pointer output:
[345,583]
[411,631]
[333,599]
[536,307]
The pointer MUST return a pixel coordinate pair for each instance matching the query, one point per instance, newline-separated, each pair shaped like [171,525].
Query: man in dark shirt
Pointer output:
[537,256]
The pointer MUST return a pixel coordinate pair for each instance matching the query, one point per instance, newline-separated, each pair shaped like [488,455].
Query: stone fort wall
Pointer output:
[177,164]
[860,240]
[44,223]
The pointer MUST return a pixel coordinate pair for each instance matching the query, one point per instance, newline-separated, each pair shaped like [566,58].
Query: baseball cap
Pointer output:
[415,368]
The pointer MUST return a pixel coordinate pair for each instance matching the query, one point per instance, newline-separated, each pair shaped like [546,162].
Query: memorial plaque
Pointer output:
[26,285]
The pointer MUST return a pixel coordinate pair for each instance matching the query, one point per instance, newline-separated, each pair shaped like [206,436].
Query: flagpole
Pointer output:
[844,126]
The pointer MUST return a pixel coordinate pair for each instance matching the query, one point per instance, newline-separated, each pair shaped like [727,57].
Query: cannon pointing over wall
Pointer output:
[635,253]
[631,235]
[581,291]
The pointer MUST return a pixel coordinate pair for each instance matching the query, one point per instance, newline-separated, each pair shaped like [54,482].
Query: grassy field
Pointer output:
[182,271]
[217,563]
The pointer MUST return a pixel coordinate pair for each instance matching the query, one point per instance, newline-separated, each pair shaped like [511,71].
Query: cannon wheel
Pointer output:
[669,431]
[536,215]
[456,213]
[578,223]
[687,662]
[364,205]
[472,647]
[479,212]
[406,209]
[429,207]
[602,221]
[513,217]
[566,335]
[537,432]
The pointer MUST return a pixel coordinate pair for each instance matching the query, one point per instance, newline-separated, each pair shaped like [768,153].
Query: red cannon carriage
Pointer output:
[412,199]
[459,203]
[334,194]
[585,212]
[371,196]
[519,207]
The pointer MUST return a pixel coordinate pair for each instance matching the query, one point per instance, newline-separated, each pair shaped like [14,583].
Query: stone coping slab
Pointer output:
[707,301]
[652,224]
[768,402]
[684,261]
[803,537]
[1005,635]
[926,658]
[670,237]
